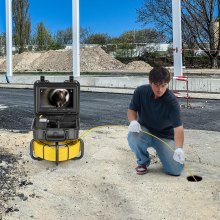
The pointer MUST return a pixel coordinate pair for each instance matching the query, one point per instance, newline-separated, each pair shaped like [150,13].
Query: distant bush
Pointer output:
[166,59]
[198,61]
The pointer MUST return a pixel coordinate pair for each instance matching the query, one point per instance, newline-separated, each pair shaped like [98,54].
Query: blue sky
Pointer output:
[101,16]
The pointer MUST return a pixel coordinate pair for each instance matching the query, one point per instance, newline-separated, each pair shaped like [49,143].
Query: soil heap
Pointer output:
[92,59]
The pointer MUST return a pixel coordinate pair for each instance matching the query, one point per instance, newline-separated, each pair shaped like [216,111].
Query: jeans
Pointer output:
[140,142]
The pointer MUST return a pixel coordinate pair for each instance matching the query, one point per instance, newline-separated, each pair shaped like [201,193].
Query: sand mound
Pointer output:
[2,60]
[24,61]
[96,59]
[54,60]
[92,59]
[138,66]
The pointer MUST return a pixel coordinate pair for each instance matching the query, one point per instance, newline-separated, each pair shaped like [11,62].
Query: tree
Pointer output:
[64,37]
[100,39]
[142,36]
[127,43]
[158,12]
[85,33]
[2,43]
[199,18]
[21,23]
[43,37]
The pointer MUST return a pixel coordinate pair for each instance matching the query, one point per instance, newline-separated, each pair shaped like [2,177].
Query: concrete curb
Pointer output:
[195,84]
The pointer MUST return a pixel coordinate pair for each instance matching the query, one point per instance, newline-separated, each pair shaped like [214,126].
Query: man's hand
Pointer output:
[134,126]
[179,155]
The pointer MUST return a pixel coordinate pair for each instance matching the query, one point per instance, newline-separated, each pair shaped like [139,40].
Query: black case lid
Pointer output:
[56,97]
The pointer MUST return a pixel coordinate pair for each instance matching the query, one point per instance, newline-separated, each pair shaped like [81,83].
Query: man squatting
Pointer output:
[155,109]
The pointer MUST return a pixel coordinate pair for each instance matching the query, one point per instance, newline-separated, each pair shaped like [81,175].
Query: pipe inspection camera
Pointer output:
[56,123]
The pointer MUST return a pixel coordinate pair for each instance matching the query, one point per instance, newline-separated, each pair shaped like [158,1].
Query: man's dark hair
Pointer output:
[159,75]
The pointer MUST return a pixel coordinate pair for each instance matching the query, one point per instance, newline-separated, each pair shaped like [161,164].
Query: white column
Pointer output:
[76,40]
[177,38]
[8,4]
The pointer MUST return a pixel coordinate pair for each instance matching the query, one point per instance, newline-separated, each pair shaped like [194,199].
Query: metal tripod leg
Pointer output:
[32,151]
[81,150]
[57,153]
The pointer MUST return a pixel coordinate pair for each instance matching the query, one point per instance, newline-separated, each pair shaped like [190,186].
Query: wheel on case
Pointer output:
[32,151]
[81,150]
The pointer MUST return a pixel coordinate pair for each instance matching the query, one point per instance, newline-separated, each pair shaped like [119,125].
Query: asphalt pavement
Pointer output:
[17,110]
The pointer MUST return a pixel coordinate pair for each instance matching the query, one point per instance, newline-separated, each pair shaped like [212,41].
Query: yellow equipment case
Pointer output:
[56,123]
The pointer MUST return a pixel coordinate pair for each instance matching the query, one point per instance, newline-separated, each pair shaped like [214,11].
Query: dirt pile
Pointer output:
[96,59]
[2,61]
[138,65]
[92,59]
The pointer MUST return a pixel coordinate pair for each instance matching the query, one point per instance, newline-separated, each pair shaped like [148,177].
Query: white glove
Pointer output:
[134,126]
[179,155]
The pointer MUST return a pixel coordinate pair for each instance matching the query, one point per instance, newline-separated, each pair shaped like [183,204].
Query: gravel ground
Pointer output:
[103,184]
[12,177]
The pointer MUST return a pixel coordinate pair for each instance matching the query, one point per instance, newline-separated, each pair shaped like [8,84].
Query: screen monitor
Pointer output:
[57,99]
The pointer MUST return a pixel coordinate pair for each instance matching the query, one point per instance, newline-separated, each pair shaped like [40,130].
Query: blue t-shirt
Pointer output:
[160,115]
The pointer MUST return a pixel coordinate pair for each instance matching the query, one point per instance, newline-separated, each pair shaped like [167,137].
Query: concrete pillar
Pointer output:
[76,39]
[8,7]
[177,38]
